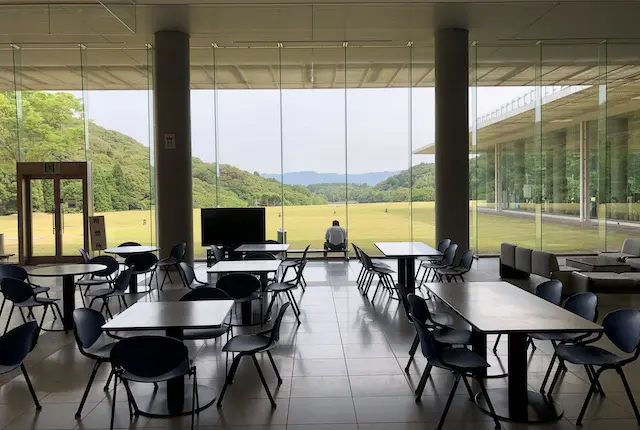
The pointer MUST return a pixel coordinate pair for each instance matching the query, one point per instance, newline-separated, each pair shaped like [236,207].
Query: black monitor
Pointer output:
[230,227]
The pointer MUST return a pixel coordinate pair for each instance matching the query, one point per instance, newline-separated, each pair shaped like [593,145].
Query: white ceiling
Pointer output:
[115,34]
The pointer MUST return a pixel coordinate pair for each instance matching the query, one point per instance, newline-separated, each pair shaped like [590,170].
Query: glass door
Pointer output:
[43,217]
[71,206]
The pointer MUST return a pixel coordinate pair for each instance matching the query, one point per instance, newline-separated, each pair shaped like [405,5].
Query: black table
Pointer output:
[173,318]
[500,307]
[406,253]
[597,264]
[253,267]
[132,250]
[67,272]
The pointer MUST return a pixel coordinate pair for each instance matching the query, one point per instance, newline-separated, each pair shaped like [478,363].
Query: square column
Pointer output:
[172,102]
[452,135]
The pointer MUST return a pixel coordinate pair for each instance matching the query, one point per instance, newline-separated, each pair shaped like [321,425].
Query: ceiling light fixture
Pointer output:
[561,121]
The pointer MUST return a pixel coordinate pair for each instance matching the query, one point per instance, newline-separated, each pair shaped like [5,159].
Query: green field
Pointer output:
[307,224]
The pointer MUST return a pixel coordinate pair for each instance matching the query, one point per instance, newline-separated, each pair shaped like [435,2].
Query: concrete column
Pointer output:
[174,206]
[618,138]
[585,194]
[452,135]
[519,178]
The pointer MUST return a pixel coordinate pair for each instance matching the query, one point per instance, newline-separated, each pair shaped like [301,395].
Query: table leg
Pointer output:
[175,386]
[133,283]
[402,272]
[479,346]
[68,301]
[517,403]
[409,275]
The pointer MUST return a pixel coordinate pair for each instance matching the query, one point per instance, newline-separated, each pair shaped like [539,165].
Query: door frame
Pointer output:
[56,171]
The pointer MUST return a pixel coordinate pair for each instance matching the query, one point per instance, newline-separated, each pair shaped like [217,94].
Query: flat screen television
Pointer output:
[229,227]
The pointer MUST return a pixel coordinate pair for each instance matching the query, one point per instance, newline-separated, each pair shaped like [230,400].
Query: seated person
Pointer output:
[335,238]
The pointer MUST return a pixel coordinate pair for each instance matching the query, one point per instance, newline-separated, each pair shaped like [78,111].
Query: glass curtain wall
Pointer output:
[562,151]
[73,103]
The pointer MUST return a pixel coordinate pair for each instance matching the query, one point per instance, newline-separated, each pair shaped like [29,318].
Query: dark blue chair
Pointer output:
[551,291]
[384,274]
[251,344]
[286,288]
[176,256]
[143,264]
[17,272]
[438,323]
[442,247]
[447,260]
[452,273]
[93,344]
[21,295]
[189,277]
[622,327]
[118,290]
[461,361]
[297,266]
[242,288]
[582,304]
[150,359]
[15,345]
[101,278]
[207,293]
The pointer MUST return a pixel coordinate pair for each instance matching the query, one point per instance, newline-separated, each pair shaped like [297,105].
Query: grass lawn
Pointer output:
[307,224]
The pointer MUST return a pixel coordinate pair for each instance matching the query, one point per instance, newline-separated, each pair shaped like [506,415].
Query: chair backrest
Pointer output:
[17,343]
[188,273]
[275,330]
[141,262]
[15,290]
[450,254]
[431,348]
[88,324]
[84,254]
[303,259]
[127,244]
[365,259]
[259,256]
[112,265]
[238,285]
[550,290]
[466,261]
[149,356]
[178,251]
[205,293]
[443,245]
[122,282]
[12,271]
[584,305]
[622,327]
[418,308]
[356,251]
[218,253]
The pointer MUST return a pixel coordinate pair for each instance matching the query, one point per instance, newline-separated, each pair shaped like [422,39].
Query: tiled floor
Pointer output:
[342,369]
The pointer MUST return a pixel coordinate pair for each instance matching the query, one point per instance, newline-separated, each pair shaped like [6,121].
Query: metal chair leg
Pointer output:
[629,393]
[227,381]
[449,400]
[423,382]
[275,369]
[468,387]
[489,404]
[412,352]
[31,390]
[495,345]
[6,327]
[592,389]
[86,390]
[113,401]
[264,382]
[548,374]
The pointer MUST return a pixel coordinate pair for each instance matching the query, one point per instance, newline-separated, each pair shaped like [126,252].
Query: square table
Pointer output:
[173,318]
[500,307]
[253,267]
[406,253]
[597,264]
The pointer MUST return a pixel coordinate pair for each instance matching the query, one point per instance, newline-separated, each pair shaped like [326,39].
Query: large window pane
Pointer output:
[9,153]
[119,142]
[378,140]
[314,144]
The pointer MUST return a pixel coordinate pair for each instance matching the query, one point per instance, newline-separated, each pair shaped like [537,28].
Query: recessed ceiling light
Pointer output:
[561,120]
[635,98]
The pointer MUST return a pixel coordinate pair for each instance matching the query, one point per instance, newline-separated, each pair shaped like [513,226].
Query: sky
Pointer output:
[379,125]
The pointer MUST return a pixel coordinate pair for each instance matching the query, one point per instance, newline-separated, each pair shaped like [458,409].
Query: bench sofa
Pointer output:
[630,252]
[517,263]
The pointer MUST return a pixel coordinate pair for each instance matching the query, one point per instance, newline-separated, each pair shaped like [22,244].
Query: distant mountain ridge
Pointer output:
[311,177]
